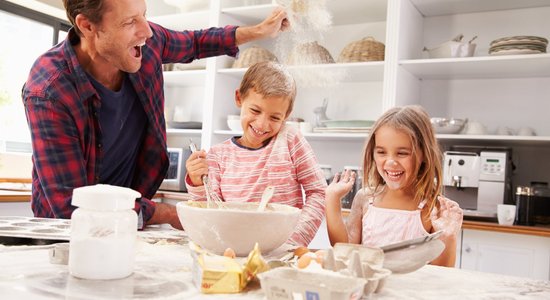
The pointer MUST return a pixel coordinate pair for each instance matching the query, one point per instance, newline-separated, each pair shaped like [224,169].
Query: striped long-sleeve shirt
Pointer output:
[287,162]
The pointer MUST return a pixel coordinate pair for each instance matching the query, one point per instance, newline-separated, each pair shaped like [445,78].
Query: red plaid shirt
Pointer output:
[61,106]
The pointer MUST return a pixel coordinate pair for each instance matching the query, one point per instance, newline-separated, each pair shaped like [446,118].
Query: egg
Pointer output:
[229,253]
[300,251]
[304,261]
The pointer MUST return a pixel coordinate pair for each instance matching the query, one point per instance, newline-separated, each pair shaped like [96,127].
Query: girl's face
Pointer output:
[394,157]
[261,118]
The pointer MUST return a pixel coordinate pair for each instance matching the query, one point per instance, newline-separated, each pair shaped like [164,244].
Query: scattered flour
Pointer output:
[310,20]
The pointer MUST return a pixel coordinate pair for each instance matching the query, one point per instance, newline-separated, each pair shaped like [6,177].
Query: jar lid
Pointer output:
[104,197]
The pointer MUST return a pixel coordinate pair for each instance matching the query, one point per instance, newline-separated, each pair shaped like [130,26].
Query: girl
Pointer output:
[402,170]
[267,153]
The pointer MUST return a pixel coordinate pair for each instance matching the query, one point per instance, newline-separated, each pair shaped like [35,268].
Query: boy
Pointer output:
[267,153]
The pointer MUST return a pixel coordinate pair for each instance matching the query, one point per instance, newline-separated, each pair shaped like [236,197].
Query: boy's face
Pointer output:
[261,118]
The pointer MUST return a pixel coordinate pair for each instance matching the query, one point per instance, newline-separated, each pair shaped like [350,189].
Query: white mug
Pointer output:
[506,214]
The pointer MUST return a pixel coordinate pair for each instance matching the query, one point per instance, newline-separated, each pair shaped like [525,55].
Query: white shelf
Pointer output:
[352,72]
[497,139]
[431,8]
[363,11]
[509,66]
[184,21]
[184,78]
[193,132]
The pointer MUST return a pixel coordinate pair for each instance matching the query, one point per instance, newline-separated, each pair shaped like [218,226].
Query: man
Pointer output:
[95,102]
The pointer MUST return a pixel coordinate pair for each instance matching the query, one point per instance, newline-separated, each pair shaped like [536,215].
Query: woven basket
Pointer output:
[252,55]
[366,49]
[308,54]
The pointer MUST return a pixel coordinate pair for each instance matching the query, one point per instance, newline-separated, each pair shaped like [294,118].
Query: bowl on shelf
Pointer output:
[234,122]
[239,225]
[448,125]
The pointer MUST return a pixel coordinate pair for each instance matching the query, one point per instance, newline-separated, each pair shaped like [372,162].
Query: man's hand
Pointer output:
[269,28]
[165,214]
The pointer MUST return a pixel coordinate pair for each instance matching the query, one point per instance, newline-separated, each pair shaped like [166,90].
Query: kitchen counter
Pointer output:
[163,271]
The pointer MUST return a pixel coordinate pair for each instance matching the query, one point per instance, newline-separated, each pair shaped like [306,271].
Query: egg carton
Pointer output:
[360,262]
[12,227]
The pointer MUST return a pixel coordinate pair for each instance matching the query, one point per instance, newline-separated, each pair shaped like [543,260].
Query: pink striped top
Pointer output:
[287,163]
[384,226]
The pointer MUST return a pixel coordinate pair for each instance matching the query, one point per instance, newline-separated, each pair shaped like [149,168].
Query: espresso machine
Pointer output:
[478,180]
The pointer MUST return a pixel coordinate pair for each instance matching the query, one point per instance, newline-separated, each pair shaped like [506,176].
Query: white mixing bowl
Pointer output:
[239,226]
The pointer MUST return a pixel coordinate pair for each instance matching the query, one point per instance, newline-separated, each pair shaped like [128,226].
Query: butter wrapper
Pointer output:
[214,274]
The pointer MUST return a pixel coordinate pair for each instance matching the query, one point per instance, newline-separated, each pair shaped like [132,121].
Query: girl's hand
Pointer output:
[448,218]
[197,166]
[340,185]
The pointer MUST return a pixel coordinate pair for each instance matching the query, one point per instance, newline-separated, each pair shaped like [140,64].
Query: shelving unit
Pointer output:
[495,90]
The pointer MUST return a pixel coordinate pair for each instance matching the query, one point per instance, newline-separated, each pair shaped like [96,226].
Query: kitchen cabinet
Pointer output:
[506,253]
[494,90]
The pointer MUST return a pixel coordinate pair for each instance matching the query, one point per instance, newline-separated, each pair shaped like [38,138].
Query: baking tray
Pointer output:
[16,230]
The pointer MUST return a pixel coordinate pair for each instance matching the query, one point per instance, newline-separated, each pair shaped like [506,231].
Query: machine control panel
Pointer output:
[493,166]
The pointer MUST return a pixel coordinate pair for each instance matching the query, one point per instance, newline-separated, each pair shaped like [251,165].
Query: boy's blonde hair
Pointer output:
[269,79]
[415,122]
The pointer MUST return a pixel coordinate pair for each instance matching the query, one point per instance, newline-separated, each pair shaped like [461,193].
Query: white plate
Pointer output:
[347,123]
[516,51]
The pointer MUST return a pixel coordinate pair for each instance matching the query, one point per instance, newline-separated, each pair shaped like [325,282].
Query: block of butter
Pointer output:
[220,274]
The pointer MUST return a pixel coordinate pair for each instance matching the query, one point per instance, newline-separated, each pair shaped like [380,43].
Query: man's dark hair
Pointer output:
[92,9]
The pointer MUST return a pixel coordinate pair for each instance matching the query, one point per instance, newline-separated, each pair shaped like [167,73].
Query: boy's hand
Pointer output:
[197,166]
[340,185]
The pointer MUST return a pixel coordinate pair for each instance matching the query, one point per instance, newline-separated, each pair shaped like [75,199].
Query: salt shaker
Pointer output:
[103,232]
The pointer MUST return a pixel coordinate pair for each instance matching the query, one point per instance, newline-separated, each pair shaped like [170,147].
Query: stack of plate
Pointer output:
[518,45]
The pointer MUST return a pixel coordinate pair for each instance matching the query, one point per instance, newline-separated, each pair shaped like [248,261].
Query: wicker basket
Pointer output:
[366,49]
[252,55]
[308,54]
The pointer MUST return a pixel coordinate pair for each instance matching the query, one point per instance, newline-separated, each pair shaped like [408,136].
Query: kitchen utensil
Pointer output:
[412,242]
[347,123]
[185,125]
[239,226]
[103,232]
[212,199]
[448,125]
[410,259]
[234,123]
[453,48]
[266,196]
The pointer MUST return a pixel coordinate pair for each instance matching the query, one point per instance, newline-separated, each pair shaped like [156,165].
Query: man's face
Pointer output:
[119,37]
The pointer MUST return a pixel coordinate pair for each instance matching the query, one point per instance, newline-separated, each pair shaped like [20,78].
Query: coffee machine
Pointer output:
[478,180]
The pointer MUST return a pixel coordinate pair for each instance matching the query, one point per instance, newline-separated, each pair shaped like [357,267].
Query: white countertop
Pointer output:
[162,271]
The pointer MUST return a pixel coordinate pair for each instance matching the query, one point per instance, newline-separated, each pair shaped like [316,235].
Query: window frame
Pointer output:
[56,23]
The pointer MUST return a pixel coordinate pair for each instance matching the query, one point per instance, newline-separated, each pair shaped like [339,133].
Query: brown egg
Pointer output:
[300,251]
[304,261]
[229,253]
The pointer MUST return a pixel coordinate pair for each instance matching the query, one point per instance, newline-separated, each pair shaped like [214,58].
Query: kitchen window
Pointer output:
[26,35]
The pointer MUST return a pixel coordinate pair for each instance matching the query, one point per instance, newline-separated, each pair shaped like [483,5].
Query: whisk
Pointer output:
[212,199]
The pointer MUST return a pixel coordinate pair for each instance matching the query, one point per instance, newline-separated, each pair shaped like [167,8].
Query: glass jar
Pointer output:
[524,206]
[103,232]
